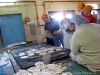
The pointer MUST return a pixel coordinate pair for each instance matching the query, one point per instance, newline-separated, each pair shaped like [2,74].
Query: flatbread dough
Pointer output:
[59,49]
[43,69]
[34,50]
[40,65]
[42,48]
[21,54]
[24,57]
[62,53]
[23,72]
[30,53]
[33,69]
[42,53]
[51,66]
[51,51]
[38,51]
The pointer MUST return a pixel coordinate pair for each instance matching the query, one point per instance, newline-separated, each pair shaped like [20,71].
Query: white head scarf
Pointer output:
[78,20]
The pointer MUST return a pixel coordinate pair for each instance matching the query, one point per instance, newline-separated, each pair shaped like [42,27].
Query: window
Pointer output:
[59,16]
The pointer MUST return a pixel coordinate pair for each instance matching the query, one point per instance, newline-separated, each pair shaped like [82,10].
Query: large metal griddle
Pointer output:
[30,61]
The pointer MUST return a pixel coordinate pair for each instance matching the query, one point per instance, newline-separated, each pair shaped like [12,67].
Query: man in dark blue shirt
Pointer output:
[52,25]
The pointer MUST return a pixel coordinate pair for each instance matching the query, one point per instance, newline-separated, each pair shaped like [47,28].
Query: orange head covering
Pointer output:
[88,8]
[44,15]
[63,12]
[81,5]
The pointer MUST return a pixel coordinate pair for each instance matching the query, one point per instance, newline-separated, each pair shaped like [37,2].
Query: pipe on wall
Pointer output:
[37,14]
[65,1]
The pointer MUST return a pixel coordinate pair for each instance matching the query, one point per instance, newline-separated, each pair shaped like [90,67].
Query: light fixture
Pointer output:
[59,16]
[2,4]
[8,0]
[10,4]
[3,0]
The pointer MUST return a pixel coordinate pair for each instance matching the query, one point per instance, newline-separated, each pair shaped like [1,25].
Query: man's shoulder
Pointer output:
[45,25]
[53,20]
[92,16]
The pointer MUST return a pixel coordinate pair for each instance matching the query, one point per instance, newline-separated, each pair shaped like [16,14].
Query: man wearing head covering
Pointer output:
[85,46]
[52,26]
[49,38]
[64,25]
[87,14]
[80,7]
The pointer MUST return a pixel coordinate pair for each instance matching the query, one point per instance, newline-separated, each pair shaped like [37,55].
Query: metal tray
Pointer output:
[30,61]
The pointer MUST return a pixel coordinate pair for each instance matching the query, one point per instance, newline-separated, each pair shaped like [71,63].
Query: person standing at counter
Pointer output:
[49,38]
[87,14]
[80,7]
[85,46]
[64,25]
[52,26]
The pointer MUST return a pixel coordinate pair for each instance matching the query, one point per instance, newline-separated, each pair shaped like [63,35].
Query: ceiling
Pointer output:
[45,0]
